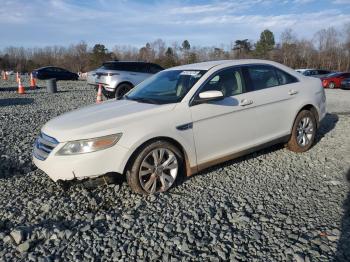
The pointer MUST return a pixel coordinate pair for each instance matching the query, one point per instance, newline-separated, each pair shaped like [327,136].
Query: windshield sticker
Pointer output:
[190,73]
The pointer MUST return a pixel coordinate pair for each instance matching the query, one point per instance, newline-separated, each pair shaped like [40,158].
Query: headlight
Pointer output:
[89,145]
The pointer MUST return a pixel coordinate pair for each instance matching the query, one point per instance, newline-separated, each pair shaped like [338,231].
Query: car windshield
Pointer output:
[165,87]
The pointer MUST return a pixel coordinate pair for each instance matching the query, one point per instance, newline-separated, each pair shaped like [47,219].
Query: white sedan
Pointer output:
[182,120]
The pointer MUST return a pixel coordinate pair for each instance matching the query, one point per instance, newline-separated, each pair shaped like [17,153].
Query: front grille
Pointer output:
[43,146]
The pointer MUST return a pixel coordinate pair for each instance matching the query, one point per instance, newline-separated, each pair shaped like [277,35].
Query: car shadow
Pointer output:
[327,124]
[15,101]
[343,247]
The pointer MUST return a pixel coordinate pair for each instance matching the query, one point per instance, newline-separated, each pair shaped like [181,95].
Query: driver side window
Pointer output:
[229,81]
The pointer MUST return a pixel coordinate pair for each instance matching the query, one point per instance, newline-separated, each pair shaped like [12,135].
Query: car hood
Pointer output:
[110,117]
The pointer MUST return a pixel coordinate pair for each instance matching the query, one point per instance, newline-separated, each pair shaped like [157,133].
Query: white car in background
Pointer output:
[119,77]
[183,120]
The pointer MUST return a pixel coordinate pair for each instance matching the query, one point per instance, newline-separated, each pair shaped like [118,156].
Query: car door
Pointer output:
[274,95]
[60,74]
[227,126]
[49,73]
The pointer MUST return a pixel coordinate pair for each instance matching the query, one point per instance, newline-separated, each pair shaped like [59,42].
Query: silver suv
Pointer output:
[117,78]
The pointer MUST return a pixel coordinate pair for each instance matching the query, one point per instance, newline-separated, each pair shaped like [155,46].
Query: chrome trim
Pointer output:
[43,146]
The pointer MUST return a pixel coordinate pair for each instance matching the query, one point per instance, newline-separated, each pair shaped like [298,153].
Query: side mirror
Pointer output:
[208,96]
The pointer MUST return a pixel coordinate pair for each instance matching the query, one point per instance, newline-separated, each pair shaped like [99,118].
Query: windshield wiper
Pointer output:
[143,100]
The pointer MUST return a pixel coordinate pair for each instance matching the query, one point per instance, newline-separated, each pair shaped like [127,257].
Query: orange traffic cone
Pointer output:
[20,87]
[32,82]
[17,77]
[99,94]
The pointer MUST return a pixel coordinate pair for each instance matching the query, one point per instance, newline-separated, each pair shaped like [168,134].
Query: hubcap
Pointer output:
[305,131]
[158,170]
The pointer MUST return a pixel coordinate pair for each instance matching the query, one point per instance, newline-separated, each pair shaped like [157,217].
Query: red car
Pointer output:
[333,80]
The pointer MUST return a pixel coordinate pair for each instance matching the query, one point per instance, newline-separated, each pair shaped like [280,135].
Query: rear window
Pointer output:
[262,76]
[266,76]
[126,66]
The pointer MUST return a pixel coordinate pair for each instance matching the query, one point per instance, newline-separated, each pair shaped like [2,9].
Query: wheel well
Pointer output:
[313,110]
[163,138]
[125,82]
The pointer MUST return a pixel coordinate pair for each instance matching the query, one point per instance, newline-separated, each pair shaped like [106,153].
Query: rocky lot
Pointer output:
[273,205]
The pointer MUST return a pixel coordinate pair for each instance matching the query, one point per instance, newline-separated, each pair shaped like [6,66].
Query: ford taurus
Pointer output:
[183,120]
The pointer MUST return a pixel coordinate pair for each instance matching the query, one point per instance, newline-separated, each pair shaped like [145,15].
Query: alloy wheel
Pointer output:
[158,170]
[305,131]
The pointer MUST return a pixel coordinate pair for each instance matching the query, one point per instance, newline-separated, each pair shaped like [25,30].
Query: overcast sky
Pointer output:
[130,22]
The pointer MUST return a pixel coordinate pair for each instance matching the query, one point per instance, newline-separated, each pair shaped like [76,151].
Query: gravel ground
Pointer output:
[273,205]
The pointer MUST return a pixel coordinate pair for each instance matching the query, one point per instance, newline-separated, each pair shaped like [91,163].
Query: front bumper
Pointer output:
[83,166]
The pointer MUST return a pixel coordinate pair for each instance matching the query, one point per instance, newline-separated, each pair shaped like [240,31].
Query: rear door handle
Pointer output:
[246,102]
[292,92]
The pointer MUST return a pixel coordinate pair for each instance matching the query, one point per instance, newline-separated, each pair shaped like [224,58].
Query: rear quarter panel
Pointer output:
[311,93]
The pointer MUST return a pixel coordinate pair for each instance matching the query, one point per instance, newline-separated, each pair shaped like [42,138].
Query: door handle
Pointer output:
[292,92]
[246,102]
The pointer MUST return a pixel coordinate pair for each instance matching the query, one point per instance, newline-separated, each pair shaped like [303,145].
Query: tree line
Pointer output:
[327,49]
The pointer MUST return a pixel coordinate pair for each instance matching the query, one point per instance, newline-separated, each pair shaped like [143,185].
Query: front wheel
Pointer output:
[303,132]
[155,168]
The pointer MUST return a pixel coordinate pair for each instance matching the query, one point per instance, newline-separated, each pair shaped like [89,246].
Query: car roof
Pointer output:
[44,67]
[212,64]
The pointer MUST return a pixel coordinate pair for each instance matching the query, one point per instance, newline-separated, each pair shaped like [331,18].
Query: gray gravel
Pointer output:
[272,205]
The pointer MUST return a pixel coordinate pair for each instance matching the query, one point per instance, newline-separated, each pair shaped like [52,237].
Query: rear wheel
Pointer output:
[122,89]
[303,132]
[155,168]
[331,85]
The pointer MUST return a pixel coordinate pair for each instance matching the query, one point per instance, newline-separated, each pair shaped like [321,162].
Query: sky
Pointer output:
[39,23]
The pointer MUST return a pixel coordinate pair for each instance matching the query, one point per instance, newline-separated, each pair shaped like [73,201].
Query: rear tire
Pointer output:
[303,132]
[155,168]
[122,89]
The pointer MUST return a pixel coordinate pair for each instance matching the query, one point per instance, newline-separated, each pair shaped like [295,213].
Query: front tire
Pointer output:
[303,132]
[155,168]
[122,89]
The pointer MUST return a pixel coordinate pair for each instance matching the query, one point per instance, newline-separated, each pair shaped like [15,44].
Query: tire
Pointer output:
[331,85]
[303,132]
[146,177]
[122,89]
